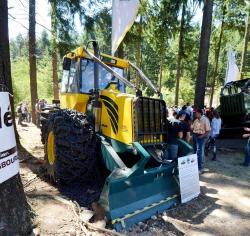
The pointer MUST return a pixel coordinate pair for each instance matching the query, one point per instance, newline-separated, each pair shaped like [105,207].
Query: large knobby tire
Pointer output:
[44,117]
[44,125]
[70,147]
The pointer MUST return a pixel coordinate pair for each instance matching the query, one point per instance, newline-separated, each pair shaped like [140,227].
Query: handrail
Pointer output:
[109,69]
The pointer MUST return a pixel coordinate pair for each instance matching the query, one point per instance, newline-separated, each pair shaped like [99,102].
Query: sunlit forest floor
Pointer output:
[223,207]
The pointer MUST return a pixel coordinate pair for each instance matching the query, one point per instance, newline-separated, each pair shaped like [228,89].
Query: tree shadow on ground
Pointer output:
[196,210]
[83,193]
[157,227]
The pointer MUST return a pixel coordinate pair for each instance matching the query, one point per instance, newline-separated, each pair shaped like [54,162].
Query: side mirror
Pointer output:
[66,63]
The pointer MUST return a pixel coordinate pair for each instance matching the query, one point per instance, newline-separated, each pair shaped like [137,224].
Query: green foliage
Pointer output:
[20,69]
[153,38]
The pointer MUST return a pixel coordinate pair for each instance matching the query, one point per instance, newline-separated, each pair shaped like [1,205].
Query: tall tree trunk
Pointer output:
[217,55]
[54,48]
[138,50]
[180,53]
[200,85]
[246,39]
[32,56]
[162,52]
[14,210]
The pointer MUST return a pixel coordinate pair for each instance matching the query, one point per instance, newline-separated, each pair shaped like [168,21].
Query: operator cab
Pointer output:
[78,73]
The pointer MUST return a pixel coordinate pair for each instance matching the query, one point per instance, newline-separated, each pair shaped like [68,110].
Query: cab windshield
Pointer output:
[105,77]
[72,84]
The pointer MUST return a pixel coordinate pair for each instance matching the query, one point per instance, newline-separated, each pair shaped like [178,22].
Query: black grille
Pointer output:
[149,120]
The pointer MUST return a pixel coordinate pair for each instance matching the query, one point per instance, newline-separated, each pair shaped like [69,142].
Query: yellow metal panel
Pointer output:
[115,102]
[74,101]
[79,52]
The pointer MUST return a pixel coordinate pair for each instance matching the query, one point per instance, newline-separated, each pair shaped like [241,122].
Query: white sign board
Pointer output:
[188,177]
[9,164]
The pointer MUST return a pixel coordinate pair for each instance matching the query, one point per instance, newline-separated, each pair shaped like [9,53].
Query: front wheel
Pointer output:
[70,147]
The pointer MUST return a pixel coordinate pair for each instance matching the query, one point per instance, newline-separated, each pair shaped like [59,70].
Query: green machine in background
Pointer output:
[235,103]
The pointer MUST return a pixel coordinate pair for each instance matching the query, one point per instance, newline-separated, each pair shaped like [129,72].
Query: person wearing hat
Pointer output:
[201,129]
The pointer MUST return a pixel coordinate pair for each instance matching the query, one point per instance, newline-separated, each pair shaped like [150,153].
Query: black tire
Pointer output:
[44,117]
[44,123]
[74,147]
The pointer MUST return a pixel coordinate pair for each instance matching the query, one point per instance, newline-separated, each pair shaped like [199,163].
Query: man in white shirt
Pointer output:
[215,131]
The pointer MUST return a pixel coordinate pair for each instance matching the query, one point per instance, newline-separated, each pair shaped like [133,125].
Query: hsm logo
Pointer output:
[6,118]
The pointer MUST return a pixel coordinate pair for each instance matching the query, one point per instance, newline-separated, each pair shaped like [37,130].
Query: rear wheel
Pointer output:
[70,147]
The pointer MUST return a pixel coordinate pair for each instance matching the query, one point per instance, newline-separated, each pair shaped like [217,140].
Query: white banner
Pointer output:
[123,16]
[188,177]
[9,164]
[232,68]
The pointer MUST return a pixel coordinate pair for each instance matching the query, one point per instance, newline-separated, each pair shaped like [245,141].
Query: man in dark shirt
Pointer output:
[174,133]
[185,127]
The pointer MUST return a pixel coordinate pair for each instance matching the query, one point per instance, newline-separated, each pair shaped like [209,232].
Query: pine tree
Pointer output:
[200,86]
[14,210]
[32,56]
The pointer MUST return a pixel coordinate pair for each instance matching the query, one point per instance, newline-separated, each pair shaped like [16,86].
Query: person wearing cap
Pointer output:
[201,129]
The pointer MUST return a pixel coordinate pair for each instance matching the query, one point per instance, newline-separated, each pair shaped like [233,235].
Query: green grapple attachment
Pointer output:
[131,195]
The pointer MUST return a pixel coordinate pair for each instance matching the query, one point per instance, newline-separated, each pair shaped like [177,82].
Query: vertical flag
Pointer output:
[123,16]
[232,68]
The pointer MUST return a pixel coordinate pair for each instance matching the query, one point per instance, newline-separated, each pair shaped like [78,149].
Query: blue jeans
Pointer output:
[247,154]
[211,145]
[200,146]
[172,151]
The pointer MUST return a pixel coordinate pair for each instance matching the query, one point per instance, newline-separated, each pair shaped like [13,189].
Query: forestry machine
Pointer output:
[99,122]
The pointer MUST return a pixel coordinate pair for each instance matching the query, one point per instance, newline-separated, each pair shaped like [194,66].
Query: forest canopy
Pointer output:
[152,43]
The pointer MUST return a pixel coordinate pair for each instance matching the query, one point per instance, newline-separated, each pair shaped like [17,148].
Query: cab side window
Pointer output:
[73,82]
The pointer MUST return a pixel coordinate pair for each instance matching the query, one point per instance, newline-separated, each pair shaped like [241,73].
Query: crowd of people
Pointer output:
[199,126]
[23,111]
[39,106]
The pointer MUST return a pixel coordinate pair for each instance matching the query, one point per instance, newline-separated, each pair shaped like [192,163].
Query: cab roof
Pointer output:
[107,59]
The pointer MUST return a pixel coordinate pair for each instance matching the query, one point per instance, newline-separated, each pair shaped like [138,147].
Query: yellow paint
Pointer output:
[125,117]
[79,52]
[75,101]
[51,148]
[125,133]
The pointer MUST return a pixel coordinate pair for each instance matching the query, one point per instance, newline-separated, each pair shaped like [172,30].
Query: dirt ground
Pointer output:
[223,207]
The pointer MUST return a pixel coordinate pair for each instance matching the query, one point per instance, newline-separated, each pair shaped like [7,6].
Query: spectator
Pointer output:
[37,110]
[247,149]
[190,110]
[184,110]
[184,126]
[19,113]
[215,131]
[23,111]
[28,112]
[201,128]
[209,113]
[176,109]
[174,133]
